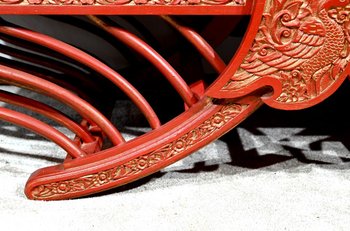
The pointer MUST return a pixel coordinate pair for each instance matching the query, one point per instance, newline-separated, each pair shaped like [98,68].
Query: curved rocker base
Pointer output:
[296,50]
[201,124]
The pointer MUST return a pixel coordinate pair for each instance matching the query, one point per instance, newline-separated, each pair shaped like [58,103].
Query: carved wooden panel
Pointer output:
[138,165]
[125,2]
[304,44]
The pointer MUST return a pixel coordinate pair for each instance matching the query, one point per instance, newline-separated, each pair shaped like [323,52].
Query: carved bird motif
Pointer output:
[297,39]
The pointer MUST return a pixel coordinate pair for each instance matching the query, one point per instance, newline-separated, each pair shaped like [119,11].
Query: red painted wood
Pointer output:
[294,55]
[204,122]
[91,62]
[47,111]
[202,46]
[224,24]
[22,79]
[152,56]
[42,129]
[305,49]
[127,10]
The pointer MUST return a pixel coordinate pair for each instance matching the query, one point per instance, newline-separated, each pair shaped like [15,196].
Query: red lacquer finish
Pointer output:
[202,46]
[152,56]
[302,44]
[294,55]
[47,111]
[89,61]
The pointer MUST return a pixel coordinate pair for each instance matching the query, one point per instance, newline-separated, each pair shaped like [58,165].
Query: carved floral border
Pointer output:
[139,164]
[124,2]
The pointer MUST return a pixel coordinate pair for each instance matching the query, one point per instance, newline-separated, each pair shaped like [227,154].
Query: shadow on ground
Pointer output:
[269,140]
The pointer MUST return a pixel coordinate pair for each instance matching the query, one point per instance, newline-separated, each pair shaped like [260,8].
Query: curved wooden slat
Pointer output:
[89,61]
[46,62]
[38,49]
[42,129]
[97,31]
[47,111]
[44,74]
[199,43]
[32,82]
[152,56]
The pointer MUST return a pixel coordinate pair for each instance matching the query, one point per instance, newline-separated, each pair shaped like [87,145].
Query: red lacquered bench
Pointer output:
[294,54]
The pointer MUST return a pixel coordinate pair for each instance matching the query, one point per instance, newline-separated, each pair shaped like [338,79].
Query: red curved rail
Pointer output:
[42,129]
[89,61]
[199,43]
[152,56]
[46,62]
[38,49]
[47,111]
[44,74]
[32,82]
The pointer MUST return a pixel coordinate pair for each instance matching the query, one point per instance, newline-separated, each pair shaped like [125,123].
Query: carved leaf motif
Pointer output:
[58,2]
[11,1]
[216,2]
[126,2]
[87,2]
[35,1]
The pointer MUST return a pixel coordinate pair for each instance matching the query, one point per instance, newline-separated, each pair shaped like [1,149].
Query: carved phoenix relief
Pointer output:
[303,43]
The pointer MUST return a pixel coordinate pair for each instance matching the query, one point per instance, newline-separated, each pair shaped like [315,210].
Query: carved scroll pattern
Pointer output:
[301,43]
[125,2]
[139,164]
